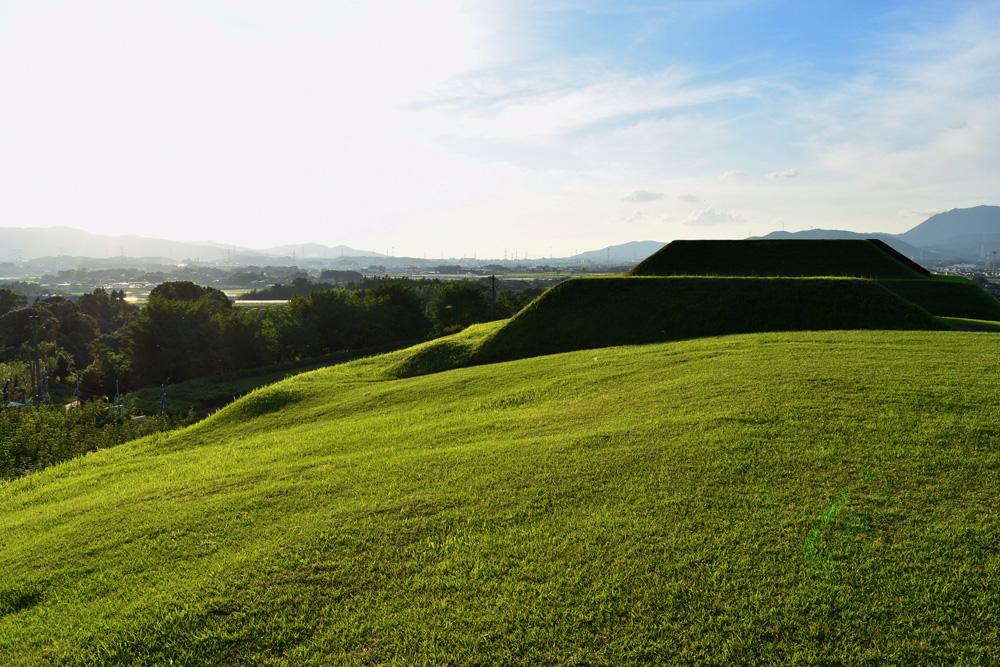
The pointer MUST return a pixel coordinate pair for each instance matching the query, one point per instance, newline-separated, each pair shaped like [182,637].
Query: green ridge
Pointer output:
[947,296]
[600,312]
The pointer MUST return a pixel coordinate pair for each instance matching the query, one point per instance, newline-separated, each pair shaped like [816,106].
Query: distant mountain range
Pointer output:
[959,235]
[26,243]
[625,253]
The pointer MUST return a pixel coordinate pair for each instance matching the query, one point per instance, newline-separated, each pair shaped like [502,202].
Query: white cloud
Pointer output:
[710,216]
[635,216]
[782,175]
[642,196]
[544,102]
[732,174]
[689,198]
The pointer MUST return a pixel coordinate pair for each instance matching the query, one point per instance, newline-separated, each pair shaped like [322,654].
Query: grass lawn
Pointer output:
[781,497]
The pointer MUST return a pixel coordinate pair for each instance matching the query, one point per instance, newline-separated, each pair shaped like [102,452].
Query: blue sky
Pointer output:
[450,127]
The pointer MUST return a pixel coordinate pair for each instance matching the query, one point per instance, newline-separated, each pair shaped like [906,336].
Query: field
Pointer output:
[784,497]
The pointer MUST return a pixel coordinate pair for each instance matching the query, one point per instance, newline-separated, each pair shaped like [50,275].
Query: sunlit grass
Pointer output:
[797,497]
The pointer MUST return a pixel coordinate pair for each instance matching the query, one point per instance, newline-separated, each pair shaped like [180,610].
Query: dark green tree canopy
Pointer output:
[185,290]
[459,304]
[10,301]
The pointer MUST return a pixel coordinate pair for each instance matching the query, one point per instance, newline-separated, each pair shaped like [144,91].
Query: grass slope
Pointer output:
[828,257]
[796,497]
[947,296]
[203,395]
[969,324]
[598,312]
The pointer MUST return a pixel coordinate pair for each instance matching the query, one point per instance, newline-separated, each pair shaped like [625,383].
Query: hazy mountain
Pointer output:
[624,253]
[319,251]
[966,233]
[27,243]
[961,234]
[34,242]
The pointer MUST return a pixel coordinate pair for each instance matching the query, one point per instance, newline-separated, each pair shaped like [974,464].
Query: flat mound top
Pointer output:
[774,498]
[862,258]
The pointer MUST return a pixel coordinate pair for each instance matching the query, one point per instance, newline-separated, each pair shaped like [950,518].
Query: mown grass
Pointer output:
[798,497]
[859,258]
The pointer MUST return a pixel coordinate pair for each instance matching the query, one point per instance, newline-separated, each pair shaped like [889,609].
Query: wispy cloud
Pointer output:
[548,101]
[782,175]
[642,196]
[710,216]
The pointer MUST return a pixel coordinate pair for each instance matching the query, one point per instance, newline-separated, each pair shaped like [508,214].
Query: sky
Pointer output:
[490,129]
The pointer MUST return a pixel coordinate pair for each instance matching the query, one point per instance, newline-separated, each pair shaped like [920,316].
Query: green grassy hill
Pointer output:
[796,497]
[947,296]
[833,257]
[598,312]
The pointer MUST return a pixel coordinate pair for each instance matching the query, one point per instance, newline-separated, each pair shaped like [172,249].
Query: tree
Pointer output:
[185,290]
[179,334]
[395,313]
[327,321]
[458,304]
[75,330]
[105,374]
[10,301]
[110,310]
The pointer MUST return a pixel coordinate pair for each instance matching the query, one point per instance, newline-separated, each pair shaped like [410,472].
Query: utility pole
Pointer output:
[36,379]
[493,296]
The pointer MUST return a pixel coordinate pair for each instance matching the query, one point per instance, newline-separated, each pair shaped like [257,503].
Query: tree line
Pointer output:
[103,345]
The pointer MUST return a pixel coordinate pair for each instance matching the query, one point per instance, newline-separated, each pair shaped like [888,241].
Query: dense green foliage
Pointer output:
[811,497]
[37,437]
[598,312]
[458,304]
[951,296]
[105,345]
[10,301]
[836,257]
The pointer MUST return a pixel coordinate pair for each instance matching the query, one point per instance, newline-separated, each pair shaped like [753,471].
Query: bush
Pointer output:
[33,438]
